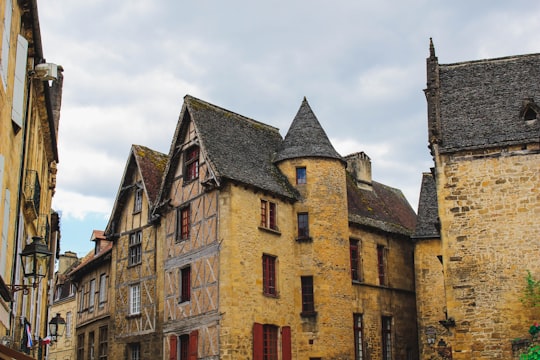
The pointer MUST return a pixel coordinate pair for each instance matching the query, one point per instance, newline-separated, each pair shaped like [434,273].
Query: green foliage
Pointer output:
[531,294]
[532,354]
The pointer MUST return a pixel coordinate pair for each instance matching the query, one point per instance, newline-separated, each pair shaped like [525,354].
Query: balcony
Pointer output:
[32,194]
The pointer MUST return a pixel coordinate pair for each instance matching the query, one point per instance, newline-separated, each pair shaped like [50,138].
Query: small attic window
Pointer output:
[530,114]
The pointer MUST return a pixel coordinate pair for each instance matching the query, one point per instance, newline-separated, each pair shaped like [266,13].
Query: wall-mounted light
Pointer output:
[57,326]
[35,258]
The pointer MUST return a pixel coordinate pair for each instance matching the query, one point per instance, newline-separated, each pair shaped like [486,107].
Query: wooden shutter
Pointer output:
[20,81]
[172,347]
[257,341]
[286,351]
[193,345]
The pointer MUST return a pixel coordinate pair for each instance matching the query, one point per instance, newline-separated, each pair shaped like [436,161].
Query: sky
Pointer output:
[360,64]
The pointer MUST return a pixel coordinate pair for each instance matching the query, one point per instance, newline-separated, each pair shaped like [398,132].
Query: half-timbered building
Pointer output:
[134,231]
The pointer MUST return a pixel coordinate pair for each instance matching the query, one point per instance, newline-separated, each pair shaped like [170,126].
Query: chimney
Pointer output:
[359,166]
[66,260]
[56,96]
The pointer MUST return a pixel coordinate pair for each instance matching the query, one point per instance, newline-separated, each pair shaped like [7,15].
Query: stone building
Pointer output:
[269,246]
[64,302]
[136,318]
[92,280]
[477,233]
[30,99]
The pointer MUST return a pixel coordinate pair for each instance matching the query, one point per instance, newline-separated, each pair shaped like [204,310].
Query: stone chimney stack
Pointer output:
[56,95]
[359,166]
[66,260]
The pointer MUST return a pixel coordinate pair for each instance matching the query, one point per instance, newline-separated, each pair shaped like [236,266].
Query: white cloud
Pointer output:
[74,205]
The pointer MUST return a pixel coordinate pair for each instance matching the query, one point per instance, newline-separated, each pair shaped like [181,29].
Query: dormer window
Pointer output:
[138,199]
[530,111]
[530,114]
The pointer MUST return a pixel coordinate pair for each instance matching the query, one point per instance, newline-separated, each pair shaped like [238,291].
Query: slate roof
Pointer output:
[482,101]
[383,207]
[151,164]
[92,260]
[238,148]
[427,225]
[306,138]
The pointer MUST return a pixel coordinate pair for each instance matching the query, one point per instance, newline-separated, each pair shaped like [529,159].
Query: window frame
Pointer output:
[80,346]
[191,163]
[269,264]
[308,296]
[302,221]
[358,326]
[138,199]
[91,295]
[301,175]
[102,289]
[135,299]
[356,264]
[103,349]
[270,342]
[183,223]
[134,351]
[381,265]
[269,215]
[135,248]
[91,346]
[185,285]
[183,347]
[386,333]
[69,320]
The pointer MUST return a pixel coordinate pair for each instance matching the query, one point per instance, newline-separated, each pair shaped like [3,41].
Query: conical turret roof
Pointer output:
[306,138]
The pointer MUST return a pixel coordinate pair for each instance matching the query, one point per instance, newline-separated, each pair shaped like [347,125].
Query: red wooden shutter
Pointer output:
[194,345]
[257,341]
[172,347]
[286,343]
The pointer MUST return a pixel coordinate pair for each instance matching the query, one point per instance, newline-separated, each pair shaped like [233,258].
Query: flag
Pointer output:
[28,330]
[47,340]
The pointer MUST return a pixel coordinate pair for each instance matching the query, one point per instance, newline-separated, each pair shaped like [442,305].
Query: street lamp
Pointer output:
[57,325]
[34,258]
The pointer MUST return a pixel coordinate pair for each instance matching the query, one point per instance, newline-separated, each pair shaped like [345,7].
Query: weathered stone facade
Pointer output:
[486,176]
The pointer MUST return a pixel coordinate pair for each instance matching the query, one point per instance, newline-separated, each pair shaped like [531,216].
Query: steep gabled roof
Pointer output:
[383,207]
[237,148]
[150,164]
[482,102]
[427,225]
[306,138]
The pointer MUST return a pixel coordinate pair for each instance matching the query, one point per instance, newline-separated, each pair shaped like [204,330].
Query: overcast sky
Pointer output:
[361,64]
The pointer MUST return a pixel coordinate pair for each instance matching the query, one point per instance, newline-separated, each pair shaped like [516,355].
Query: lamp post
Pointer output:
[34,258]
[57,326]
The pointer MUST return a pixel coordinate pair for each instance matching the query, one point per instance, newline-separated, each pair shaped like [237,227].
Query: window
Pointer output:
[135,299]
[91,295]
[185,284]
[308,300]
[103,342]
[69,320]
[137,206]
[303,226]
[102,289]
[266,342]
[191,163]
[135,351]
[183,223]
[300,175]
[387,337]
[358,337]
[91,345]
[354,248]
[81,299]
[80,347]
[183,345]
[381,265]
[269,275]
[270,342]
[135,248]
[268,215]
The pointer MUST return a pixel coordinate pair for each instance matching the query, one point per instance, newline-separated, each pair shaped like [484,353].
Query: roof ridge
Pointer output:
[193,98]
